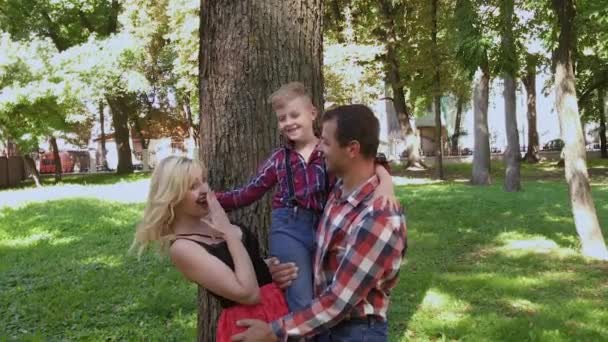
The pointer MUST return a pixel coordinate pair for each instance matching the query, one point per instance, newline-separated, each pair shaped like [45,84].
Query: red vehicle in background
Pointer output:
[47,162]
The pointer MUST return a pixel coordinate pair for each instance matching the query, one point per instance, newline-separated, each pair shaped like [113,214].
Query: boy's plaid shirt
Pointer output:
[309,180]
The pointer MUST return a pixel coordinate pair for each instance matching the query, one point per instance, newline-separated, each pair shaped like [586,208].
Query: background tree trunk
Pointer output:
[192,127]
[529,81]
[512,155]
[249,49]
[120,118]
[481,153]
[57,159]
[30,167]
[393,66]
[457,128]
[583,208]
[601,94]
[437,96]
[104,151]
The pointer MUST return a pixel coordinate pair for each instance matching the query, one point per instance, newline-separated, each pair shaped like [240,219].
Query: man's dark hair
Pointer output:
[356,123]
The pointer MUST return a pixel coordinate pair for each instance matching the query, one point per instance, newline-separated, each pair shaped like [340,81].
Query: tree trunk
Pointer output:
[583,208]
[437,96]
[457,128]
[512,156]
[57,159]
[393,71]
[481,153]
[192,128]
[602,108]
[119,106]
[529,81]
[249,49]
[104,152]
[30,167]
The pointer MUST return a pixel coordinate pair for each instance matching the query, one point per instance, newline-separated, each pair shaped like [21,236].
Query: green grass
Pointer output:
[485,265]
[482,265]
[66,275]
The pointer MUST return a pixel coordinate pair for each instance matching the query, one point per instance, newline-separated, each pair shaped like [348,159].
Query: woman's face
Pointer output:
[195,201]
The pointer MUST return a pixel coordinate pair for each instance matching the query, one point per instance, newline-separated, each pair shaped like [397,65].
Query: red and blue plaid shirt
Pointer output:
[309,180]
[360,247]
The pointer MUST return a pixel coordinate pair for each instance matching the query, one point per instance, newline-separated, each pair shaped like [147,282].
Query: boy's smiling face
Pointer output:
[296,119]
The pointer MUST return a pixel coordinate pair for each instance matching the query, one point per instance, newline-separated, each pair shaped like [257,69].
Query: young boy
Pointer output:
[304,184]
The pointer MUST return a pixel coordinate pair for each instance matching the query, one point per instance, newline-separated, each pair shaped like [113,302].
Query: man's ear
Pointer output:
[353,148]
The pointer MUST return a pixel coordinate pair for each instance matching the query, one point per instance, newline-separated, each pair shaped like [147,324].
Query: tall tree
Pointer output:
[601,99]
[583,207]
[238,130]
[457,127]
[68,25]
[473,51]
[56,159]
[529,81]
[102,139]
[437,92]
[512,154]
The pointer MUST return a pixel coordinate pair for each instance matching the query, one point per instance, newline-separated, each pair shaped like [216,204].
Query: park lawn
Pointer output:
[482,265]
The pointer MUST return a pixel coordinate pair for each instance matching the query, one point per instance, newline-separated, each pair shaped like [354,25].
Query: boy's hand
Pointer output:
[282,274]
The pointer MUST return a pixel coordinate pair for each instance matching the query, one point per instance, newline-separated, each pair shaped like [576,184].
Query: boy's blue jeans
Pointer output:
[292,239]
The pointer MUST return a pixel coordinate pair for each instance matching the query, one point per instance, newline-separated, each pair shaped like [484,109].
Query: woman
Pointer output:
[183,216]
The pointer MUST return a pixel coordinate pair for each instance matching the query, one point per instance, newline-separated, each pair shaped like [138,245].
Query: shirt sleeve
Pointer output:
[265,179]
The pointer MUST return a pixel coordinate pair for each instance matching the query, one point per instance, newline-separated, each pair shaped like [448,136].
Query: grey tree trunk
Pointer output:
[249,49]
[529,81]
[57,159]
[30,167]
[481,153]
[192,127]
[601,94]
[583,207]
[120,108]
[104,151]
[393,66]
[437,96]
[457,128]
[512,156]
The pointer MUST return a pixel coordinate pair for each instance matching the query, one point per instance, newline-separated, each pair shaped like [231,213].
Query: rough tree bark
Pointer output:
[249,49]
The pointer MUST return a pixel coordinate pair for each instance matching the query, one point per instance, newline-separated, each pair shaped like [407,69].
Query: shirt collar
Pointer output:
[359,194]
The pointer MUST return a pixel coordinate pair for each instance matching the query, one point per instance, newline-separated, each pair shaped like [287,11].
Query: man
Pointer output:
[360,244]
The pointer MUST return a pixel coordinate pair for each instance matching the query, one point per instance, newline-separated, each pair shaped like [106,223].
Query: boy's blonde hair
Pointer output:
[171,180]
[287,93]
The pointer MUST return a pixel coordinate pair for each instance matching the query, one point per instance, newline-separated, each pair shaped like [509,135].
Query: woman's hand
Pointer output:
[220,221]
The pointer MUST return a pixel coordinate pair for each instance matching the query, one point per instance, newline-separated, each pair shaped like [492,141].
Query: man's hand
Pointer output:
[257,331]
[282,274]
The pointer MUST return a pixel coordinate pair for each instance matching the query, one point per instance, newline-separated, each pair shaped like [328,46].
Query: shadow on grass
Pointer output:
[471,245]
[66,274]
